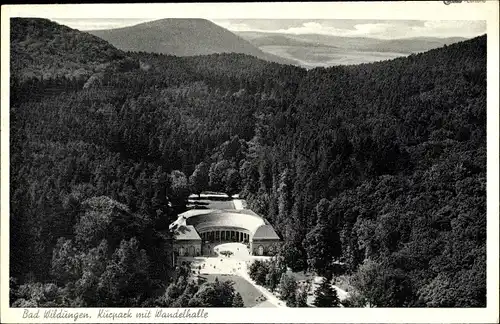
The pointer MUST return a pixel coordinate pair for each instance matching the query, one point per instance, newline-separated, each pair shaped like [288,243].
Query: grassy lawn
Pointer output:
[248,292]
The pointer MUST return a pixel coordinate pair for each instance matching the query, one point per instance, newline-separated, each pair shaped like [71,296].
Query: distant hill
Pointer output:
[402,45]
[182,37]
[313,50]
[413,45]
[41,48]
[280,39]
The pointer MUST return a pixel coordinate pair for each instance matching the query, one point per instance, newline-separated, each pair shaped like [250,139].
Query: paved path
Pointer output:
[240,253]
[266,304]
[236,264]
[239,204]
[273,300]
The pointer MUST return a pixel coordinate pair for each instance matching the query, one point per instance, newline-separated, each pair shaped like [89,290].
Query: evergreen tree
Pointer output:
[301,298]
[288,288]
[180,188]
[238,301]
[198,181]
[325,295]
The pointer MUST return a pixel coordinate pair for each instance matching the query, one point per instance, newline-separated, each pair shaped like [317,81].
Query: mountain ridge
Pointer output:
[313,50]
[182,37]
[366,43]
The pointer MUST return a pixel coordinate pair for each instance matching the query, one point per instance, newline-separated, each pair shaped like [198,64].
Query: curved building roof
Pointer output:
[209,218]
[265,232]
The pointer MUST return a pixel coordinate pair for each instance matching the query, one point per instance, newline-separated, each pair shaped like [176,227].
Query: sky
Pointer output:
[384,29]
[388,29]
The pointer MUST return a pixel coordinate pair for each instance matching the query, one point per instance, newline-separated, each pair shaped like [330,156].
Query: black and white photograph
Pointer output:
[174,163]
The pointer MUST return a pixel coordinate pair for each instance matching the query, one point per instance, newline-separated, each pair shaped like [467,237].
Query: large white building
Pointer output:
[213,220]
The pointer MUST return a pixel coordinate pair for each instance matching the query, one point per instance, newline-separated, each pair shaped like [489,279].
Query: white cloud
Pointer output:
[312,27]
[382,29]
[396,29]
[235,26]
[372,29]
[449,28]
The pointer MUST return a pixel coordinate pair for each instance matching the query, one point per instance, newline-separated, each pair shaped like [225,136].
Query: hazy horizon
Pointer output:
[383,29]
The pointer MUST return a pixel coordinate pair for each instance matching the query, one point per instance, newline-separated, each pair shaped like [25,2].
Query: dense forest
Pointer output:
[379,167]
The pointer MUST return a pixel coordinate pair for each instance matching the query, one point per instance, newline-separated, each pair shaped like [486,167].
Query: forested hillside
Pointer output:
[381,166]
[182,37]
[43,49]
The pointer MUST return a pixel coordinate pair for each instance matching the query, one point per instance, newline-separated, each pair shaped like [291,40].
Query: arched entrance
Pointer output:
[207,249]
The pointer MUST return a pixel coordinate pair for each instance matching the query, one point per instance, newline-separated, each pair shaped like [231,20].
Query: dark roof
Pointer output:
[210,218]
[187,233]
[265,232]
[211,203]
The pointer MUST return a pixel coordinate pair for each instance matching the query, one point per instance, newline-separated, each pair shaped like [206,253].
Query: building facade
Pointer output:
[187,242]
[264,241]
[198,230]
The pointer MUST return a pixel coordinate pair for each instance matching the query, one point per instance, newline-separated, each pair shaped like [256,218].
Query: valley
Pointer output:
[311,57]
[314,50]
